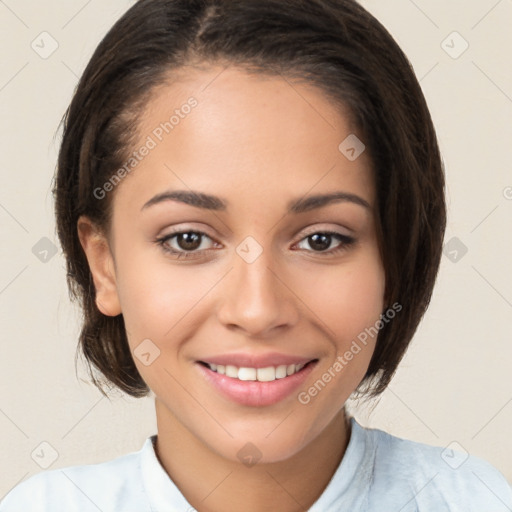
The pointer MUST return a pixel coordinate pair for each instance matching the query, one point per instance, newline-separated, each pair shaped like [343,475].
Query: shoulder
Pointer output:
[92,487]
[427,476]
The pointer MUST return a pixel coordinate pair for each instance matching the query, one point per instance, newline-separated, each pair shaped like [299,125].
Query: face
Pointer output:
[258,279]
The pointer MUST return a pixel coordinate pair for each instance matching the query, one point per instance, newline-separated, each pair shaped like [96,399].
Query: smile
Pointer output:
[267,374]
[256,386]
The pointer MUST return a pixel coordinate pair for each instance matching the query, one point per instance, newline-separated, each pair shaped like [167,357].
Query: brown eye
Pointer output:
[185,243]
[322,241]
[319,241]
[189,241]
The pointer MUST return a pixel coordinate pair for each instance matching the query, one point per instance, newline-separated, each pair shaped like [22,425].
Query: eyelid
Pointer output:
[319,228]
[346,241]
[202,229]
[163,243]
[304,232]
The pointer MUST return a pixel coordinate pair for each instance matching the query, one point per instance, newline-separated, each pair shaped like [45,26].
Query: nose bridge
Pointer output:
[254,299]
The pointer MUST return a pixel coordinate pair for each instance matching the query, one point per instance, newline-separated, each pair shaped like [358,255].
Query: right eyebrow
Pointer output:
[197,199]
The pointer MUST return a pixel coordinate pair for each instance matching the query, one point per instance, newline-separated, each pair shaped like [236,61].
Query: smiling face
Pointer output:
[242,268]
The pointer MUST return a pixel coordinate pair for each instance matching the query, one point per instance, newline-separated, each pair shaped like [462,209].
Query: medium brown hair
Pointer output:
[335,45]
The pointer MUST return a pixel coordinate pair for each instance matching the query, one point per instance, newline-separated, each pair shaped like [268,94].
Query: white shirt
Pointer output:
[378,473]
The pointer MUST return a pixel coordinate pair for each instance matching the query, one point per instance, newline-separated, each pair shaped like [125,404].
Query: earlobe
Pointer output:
[101,264]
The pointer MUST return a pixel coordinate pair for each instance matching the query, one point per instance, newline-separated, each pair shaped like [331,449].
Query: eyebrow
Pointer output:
[214,203]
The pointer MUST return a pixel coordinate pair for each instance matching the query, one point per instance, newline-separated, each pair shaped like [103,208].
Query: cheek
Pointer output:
[155,306]
[348,298]
[154,293]
[164,304]
[349,302]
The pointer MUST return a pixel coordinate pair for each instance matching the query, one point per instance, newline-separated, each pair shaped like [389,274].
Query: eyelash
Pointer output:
[346,242]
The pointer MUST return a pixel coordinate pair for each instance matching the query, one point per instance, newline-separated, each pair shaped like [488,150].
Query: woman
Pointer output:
[250,198]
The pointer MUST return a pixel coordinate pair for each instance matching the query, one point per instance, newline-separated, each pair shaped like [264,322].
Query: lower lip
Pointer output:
[254,393]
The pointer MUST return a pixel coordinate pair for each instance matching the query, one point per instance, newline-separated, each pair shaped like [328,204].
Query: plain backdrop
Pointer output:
[454,387]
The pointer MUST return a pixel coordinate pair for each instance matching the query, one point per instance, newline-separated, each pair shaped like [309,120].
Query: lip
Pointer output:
[244,360]
[255,393]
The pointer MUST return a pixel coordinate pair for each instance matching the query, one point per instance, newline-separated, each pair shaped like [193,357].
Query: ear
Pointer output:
[101,264]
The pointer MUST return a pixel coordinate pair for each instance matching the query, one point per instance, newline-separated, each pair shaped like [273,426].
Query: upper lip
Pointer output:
[246,360]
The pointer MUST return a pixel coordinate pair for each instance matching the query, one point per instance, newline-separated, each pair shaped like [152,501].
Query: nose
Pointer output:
[255,298]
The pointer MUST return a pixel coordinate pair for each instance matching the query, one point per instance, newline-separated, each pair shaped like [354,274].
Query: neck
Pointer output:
[212,483]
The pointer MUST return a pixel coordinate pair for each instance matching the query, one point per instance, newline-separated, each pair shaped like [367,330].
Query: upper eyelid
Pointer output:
[311,228]
[308,233]
[314,229]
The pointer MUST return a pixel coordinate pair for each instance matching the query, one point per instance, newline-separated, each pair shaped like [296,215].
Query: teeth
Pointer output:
[281,372]
[232,371]
[267,374]
[246,374]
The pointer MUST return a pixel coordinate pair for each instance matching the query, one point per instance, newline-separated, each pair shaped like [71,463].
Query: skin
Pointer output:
[258,142]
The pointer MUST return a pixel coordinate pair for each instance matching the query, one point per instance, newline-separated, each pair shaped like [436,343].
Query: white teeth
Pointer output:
[281,371]
[232,371]
[247,374]
[268,374]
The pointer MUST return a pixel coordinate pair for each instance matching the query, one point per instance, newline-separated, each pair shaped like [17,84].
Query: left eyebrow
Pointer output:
[209,202]
[312,202]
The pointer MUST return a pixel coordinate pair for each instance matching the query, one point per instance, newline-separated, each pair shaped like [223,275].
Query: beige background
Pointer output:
[455,383]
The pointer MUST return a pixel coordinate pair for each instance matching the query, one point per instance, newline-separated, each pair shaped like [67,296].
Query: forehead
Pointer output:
[268,136]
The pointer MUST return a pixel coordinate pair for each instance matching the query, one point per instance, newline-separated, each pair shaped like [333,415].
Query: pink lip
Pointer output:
[256,361]
[255,393]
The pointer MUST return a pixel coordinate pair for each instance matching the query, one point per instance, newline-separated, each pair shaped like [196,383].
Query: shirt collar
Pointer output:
[348,486]
[162,493]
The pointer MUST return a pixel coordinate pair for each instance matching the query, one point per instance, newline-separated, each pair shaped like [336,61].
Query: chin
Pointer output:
[268,445]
